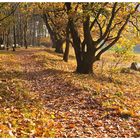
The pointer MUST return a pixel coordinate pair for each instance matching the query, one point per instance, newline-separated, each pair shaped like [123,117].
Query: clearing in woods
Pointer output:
[41,96]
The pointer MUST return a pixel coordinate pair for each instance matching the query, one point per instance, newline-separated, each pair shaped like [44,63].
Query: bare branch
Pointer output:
[136,26]
[100,28]
[116,25]
[98,14]
[113,13]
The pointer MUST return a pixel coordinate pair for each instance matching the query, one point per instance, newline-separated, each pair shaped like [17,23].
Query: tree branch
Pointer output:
[10,13]
[118,34]
[113,13]
[136,26]
[98,14]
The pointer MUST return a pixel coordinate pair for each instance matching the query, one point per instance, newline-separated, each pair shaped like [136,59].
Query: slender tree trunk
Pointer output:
[1,40]
[34,30]
[14,35]
[4,40]
[20,31]
[50,30]
[25,40]
[7,41]
[66,53]
[25,34]
[57,43]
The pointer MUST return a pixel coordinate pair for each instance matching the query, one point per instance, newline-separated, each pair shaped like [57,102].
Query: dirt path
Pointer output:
[60,97]
[75,109]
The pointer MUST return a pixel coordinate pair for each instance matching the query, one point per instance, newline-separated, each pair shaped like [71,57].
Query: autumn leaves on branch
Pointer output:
[90,28]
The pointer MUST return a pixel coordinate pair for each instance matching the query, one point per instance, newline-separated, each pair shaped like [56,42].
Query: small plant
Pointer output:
[119,94]
[121,55]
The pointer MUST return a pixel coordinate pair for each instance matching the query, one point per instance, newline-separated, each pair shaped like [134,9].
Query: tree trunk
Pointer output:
[7,41]
[1,40]
[50,30]
[25,34]
[86,64]
[59,46]
[57,42]
[14,49]
[66,53]
[84,68]
[21,32]
[14,34]
[25,40]
[4,40]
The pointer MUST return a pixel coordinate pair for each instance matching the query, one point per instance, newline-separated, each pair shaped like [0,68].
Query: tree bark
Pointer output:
[7,41]
[14,34]
[57,42]
[25,40]
[66,53]
[20,31]
[86,64]
[34,30]
[59,46]
[25,34]
[84,52]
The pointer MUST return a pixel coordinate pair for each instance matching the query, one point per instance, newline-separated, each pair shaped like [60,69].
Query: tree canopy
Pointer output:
[91,28]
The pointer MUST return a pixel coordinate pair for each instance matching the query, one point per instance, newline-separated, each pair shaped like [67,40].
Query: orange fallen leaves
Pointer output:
[41,94]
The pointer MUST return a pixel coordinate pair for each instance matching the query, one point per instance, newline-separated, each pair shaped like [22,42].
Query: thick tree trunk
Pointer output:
[84,52]
[86,64]
[59,46]
[84,68]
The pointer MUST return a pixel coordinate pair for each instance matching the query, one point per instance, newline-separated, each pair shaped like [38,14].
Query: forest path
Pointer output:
[70,105]
[78,112]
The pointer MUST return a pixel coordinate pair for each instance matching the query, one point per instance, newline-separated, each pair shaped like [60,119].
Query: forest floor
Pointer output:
[41,96]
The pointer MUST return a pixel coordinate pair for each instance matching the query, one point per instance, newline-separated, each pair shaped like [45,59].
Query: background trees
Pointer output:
[91,28]
[54,17]
[21,26]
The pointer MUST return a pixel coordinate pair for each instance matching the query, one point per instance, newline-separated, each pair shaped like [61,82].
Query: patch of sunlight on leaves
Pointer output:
[52,116]
[113,90]
[19,109]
